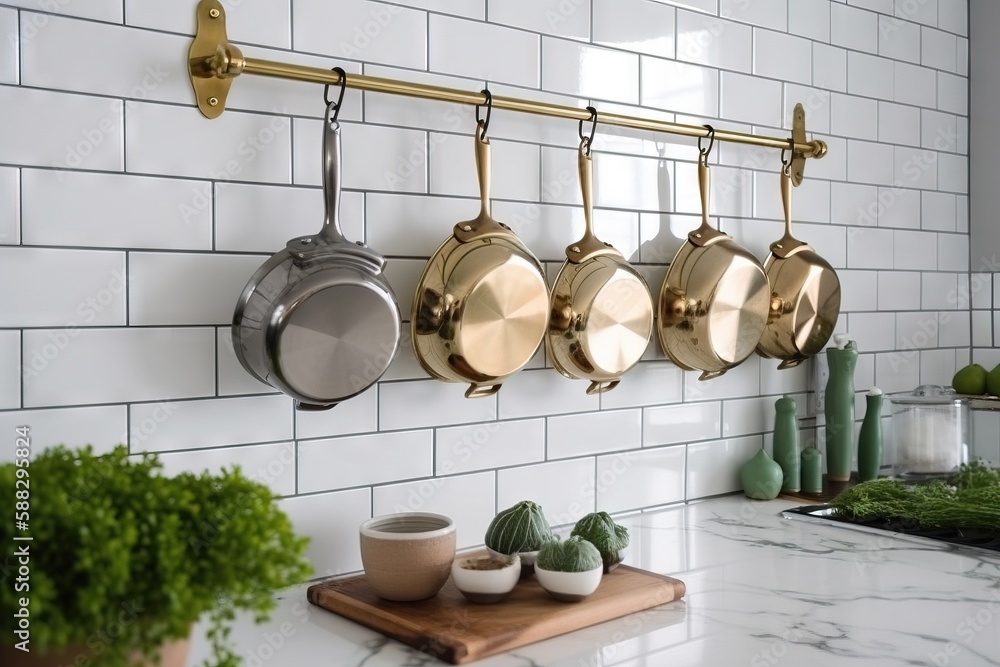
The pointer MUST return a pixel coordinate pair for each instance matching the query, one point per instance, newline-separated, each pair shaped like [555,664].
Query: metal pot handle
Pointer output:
[483,226]
[331,232]
[589,245]
[313,407]
[784,246]
[481,390]
[705,234]
[601,387]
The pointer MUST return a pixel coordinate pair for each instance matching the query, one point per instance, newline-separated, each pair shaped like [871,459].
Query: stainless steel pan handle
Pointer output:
[331,232]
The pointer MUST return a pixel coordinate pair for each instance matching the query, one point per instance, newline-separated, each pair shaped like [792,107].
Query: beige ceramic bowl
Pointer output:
[408,556]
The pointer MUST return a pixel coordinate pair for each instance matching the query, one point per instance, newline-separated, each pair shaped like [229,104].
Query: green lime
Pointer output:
[973,379]
[993,381]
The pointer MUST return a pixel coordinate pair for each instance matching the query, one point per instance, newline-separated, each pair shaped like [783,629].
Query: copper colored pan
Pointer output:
[805,295]
[481,305]
[602,313]
[713,303]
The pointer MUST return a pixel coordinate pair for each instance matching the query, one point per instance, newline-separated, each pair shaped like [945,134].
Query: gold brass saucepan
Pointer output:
[805,294]
[481,305]
[601,314]
[714,300]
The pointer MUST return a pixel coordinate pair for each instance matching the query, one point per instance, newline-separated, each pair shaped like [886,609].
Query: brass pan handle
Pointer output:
[483,167]
[481,390]
[589,245]
[784,246]
[601,387]
[705,234]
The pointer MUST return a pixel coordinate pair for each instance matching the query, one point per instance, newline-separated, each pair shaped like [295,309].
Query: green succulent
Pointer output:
[574,555]
[518,529]
[120,549]
[600,530]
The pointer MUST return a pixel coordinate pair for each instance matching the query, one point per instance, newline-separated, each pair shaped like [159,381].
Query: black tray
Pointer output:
[966,538]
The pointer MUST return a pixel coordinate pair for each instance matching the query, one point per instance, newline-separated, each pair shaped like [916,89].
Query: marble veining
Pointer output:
[761,591]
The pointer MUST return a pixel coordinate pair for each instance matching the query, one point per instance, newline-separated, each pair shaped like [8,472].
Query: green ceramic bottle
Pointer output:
[812,470]
[786,442]
[839,408]
[870,437]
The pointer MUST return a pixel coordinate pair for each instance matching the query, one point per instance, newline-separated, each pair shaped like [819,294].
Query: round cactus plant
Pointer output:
[610,538]
[519,529]
[574,555]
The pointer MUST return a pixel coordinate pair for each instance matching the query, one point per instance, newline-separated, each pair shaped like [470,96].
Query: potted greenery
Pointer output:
[520,529]
[569,571]
[610,538]
[123,559]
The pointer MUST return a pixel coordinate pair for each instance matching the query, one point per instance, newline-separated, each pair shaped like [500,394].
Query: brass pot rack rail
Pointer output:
[213,63]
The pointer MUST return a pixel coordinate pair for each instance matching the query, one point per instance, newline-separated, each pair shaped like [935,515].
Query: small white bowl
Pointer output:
[486,586]
[569,586]
[527,560]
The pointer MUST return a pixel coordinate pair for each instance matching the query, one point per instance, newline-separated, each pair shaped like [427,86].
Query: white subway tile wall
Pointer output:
[129,224]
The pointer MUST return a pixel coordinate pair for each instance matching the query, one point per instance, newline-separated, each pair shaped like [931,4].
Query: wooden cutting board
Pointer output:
[451,628]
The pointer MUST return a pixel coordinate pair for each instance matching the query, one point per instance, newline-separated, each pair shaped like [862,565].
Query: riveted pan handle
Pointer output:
[784,246]
[313,407]
[331,232]
[483,169]
[483,226]
[705,234]
[601,387]
[589,245]
[481,390]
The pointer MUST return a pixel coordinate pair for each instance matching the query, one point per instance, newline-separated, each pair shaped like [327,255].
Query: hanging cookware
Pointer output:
[713,303]
[601,315]
[481,304]
[318,319]
[805,294]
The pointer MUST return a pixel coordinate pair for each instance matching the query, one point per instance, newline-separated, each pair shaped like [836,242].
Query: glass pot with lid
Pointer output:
[930,432]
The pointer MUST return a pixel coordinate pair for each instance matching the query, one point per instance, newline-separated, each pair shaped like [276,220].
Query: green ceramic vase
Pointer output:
[761,477]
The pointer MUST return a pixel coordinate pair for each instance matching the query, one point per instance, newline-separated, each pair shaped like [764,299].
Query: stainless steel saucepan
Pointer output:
[318,319]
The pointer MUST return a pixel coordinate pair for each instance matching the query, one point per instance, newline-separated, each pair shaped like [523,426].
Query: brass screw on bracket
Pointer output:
[213,101]
[214,13]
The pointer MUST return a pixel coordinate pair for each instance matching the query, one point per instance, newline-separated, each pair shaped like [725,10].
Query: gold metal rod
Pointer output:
[280,70]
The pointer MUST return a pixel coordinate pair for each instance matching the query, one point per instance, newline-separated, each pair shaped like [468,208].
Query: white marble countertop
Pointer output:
[761,591]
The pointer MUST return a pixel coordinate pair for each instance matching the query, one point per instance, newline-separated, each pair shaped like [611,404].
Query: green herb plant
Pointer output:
[118,545]
[574,555]
[970,500]
[599,529]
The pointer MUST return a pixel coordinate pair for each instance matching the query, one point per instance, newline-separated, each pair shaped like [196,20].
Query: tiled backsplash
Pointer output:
[130,223]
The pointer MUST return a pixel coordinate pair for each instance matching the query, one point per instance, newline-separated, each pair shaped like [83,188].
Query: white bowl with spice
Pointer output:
[486,579]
